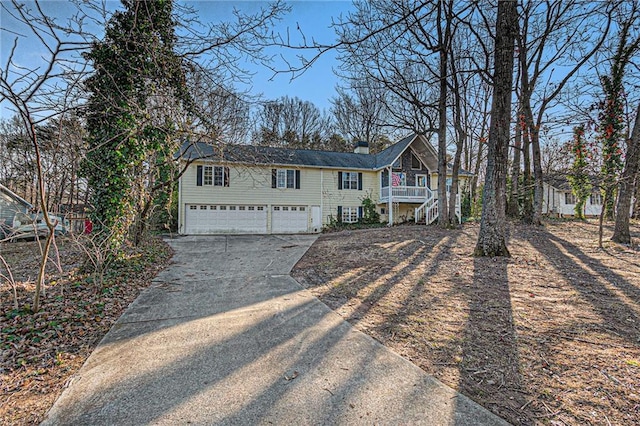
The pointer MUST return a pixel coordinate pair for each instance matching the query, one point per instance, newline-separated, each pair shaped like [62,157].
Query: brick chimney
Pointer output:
[362,147]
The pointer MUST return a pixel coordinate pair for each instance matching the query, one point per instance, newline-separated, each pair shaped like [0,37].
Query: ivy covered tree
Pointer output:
[578,176]
[136,91]
[612,123]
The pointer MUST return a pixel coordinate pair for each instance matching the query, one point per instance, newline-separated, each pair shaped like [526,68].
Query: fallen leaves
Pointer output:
[39,352]
[549,336]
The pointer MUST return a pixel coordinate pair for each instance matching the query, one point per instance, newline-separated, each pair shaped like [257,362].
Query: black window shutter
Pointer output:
[360,212]
[360,181]
[199,176]
[339,183]
[339,213]
[274,178]
[226,176]
[297,179]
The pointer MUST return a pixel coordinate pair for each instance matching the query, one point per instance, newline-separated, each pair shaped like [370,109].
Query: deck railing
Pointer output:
[402,193]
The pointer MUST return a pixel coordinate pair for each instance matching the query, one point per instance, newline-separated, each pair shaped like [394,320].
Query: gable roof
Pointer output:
[560,180]
[13,196]
[264,155]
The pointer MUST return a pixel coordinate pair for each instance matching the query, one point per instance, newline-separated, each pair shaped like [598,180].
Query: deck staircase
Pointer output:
[427,213]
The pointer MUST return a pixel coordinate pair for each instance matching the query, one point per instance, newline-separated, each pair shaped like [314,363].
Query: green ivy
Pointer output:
[131,139]
[369,212]
[578,177]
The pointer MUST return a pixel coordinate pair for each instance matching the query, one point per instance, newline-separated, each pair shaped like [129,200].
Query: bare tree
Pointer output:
[553,35]
[293,123]
[405,48]
[359,113]
[629,176]
[43,92]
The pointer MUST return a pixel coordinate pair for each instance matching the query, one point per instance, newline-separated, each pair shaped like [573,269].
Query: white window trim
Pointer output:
[349,214]
[568,196]
[282,178]
[209,176]
[348,180]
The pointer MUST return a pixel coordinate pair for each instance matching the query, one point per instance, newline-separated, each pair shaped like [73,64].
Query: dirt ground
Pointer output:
[550,336]
[40,352]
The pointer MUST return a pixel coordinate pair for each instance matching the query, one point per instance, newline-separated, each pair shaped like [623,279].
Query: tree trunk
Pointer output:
[625,192]
[513,206]
[636,208]
[443,212]
[492,235]
[537,176]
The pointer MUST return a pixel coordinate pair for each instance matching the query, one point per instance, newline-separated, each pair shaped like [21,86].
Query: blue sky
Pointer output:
[313,17]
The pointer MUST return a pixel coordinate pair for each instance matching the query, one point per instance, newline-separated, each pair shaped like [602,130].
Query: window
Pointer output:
[203,207]
[232,207]
[421,181]
[218,176]
[223,207]
[569,198]
[416,164]
[241,208]
[349,180]
[595,199]
[349,214]
[212,176]
[193,207]
[260,208]
[285,178]
[208,176]
[252,208]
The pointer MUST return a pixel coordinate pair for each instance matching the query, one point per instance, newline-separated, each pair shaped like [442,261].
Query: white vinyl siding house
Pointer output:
[247,189]
[559,200]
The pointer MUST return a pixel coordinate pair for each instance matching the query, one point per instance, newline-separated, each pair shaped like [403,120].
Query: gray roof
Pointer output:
[250,154]
[18,199]
[560,180]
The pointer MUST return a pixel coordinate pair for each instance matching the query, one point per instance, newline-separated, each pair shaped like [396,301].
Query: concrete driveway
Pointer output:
[226,336]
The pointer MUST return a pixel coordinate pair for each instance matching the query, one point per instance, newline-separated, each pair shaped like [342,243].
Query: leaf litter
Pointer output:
[548,336]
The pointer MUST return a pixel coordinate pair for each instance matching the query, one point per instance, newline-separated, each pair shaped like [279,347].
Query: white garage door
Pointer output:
[225,219]
[289,219]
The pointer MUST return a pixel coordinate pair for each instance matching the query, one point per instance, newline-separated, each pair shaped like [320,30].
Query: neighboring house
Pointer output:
[251,189]
[558,199]
[10,205]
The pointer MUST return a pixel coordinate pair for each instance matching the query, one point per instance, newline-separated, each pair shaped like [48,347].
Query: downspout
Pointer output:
[321,198]
[180,207]
[390,198]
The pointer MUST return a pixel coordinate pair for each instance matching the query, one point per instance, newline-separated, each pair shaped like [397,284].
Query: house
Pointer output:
[559,200]
[10,205]
[252,189]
